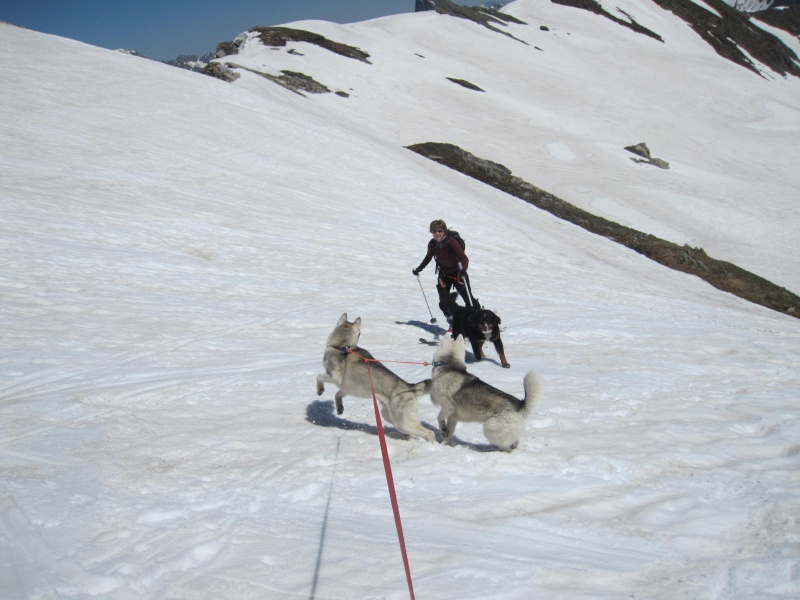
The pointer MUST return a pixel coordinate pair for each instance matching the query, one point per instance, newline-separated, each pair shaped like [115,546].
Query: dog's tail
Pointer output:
[533,391]
[451,302]
[421,388]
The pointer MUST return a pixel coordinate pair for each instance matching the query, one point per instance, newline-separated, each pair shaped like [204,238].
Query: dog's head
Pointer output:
[488,322]
[451,351]
[345,333]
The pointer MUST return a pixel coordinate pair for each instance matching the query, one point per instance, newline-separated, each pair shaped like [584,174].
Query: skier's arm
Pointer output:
[459,252]
[425,260]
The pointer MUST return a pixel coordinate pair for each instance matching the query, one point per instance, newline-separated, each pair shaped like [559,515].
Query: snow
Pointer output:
[175,251]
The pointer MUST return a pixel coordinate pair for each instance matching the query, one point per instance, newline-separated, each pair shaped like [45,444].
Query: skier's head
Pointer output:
[438,225]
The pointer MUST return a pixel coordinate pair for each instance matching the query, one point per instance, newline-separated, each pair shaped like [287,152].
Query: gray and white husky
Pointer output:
[463,397]
[346,368]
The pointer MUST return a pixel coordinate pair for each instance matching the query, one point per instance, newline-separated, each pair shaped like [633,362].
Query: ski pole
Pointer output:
[469,291]
[433,319]
[464,277]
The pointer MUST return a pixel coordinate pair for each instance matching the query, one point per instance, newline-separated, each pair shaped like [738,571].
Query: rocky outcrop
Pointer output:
[228,48]
[734,30]
[786,18]
[722,275]
[291,80]
[279,36]
[220,71]
[466,84]
[727,30]
[643,152]
[298,82]
[481,15]
[595,8]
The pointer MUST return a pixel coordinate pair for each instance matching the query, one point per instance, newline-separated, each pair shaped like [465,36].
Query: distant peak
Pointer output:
[423,5]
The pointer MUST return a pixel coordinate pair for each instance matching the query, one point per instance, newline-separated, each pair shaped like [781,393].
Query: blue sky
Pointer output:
[163,29]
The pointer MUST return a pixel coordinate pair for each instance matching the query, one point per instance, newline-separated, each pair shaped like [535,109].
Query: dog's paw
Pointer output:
[506,365]
[339,406]
[320,388]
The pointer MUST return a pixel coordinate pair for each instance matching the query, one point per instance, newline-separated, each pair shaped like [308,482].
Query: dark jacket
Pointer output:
[448,253]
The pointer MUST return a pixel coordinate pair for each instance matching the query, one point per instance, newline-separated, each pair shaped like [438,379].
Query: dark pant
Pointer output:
[451,282]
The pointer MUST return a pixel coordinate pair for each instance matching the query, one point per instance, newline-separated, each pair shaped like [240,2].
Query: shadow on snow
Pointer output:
[323,414]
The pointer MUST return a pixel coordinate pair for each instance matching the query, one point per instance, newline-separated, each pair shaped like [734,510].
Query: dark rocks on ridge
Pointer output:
[723,275]
[481,15]
[279,36]
[726,30]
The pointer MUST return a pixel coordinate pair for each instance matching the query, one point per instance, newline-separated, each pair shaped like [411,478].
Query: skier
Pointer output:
[447,248]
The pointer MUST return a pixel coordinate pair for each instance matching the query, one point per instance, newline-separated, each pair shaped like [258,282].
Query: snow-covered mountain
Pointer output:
[189,62]
[176,248]
[192,62]
[515,63]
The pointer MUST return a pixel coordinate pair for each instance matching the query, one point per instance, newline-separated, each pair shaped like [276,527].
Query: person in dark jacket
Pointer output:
[451,265]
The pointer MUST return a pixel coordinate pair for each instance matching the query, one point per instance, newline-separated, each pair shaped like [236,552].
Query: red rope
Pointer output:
[349,350]
[387,467]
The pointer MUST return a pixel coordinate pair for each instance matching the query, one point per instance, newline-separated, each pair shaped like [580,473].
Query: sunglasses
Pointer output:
[437,230]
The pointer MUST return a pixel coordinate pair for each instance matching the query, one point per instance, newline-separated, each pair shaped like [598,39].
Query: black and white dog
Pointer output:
[478,325]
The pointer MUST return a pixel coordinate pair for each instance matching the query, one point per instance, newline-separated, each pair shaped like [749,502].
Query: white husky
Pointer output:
[464,397]
[346,368]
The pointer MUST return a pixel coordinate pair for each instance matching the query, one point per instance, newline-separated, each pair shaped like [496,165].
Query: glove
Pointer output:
[415,272]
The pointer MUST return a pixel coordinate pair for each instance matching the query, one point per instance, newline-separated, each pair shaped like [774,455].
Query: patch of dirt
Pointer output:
[722,275]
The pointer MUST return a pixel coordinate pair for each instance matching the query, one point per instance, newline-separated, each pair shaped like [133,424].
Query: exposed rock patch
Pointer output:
[488,17]
[786,18]
[291,80]
[279,36]
[733,30]
[722,275]
[228,48]
[299,82]
[594,7]
[643,151]
[466,84]
[726,30]
[220,71]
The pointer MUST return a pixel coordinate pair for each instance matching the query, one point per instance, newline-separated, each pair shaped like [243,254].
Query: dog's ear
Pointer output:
[342,319]
[357,322]
[460,349]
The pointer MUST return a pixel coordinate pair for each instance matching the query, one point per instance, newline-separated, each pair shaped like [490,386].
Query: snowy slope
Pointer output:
[559,109]
[175,251]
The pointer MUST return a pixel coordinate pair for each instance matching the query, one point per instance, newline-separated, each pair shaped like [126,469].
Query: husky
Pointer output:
[346,368]
[463,397]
